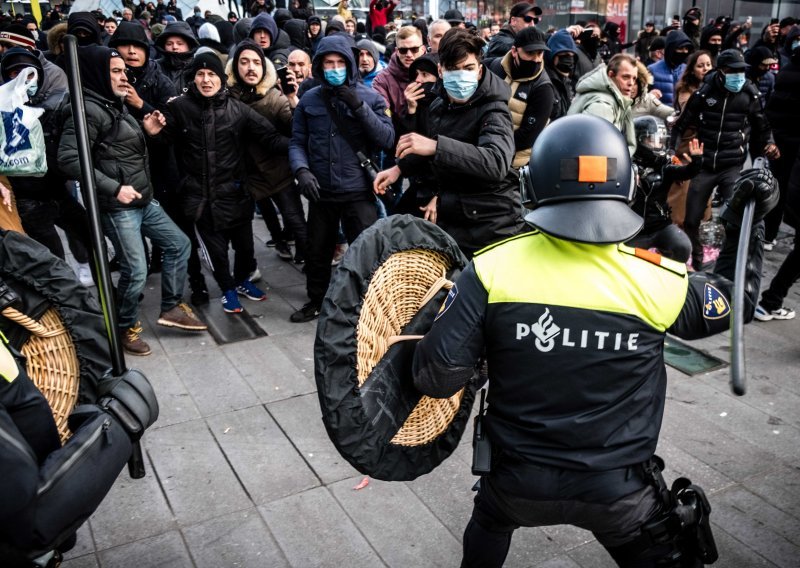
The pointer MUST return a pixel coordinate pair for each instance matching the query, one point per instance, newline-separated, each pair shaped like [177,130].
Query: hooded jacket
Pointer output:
[471,170]
[391,84]
[297,31]
[665,76]
[783,109]
[317,143]
[563,87]
[531,104]
[725,122]
[119,151]
[369,46]
[268,171]
[597,95]
[209,135]
[279,39]
[173,65]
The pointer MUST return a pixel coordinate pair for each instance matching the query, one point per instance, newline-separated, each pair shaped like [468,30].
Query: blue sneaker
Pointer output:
[230,302]
[249,291]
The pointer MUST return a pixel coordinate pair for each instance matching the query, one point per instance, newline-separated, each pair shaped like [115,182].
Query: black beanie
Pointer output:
[209,61]
[85,22]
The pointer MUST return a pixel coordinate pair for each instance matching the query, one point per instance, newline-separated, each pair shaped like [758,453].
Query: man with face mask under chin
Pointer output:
[668,71]
[727,113]
[469,144]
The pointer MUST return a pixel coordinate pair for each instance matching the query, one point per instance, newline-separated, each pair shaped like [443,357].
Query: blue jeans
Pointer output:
[125,229]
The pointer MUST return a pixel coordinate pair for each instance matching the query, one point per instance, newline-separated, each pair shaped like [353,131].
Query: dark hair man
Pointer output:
[325,162]
[465,151]
[176,46]
[560,64]
[578,382]
[726,112]
[125,194]
[523,15]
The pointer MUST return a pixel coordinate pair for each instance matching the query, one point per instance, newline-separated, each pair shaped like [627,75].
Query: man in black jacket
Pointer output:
[210,131]
[176,45]
[466,150]
[726,111]
[125,195]
[523,15]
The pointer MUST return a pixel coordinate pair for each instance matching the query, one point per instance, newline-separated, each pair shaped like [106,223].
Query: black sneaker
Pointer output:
[270,243]
[200,297]
[299,259]
[283,250]
[307,313]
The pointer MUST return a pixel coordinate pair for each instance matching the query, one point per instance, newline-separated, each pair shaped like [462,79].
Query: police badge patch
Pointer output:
[448,301]
[715,304]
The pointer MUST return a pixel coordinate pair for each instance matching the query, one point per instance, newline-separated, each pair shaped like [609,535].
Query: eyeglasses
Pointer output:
[529,19]
[404,50]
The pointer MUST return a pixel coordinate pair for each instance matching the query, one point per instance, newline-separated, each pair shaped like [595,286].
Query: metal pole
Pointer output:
[99,252]
[738,371]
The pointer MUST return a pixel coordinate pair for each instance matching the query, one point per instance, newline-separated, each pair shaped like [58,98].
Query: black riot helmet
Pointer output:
[651,140]
[580,181]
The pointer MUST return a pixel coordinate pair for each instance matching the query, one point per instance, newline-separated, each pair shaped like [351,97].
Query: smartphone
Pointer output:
[286,87]
[774,21]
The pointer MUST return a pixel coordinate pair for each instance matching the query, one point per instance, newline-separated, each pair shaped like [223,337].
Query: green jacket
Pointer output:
[598,96]
[119,154]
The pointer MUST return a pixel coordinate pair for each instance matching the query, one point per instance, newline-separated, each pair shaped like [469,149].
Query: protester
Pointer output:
[369,62]
[759,62]
[523,15]
[656,51]
[176,45]
[646,101]
[323,158]
[588,42]
[644,39]
[666,72]
[392,81]
[436,31]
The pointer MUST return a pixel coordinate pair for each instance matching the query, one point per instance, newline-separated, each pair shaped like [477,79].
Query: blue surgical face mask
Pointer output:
[336,77]
[734,82]
[460,84]
[32,90]
[795,44]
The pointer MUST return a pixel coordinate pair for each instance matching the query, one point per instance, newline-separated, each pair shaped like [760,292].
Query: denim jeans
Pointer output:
[125,229]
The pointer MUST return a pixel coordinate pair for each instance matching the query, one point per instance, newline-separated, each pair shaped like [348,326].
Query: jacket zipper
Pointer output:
[75,457]
[17,444]
[719,134]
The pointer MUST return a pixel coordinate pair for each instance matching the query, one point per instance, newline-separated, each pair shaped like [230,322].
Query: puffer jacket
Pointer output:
[209,134]
[471,170]
[119,154]
[268,172]
[726,122]
[153,86]
[665,77]
[501,43]
[783,109]
[174,65]
[598,96]
[316,142]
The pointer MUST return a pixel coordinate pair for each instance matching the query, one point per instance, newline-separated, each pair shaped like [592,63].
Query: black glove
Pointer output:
[308,184]
[757,184]
[349,96]
[8,297]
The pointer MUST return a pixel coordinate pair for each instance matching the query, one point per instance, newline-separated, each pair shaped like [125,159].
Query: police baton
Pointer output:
[738,372]
[99,252]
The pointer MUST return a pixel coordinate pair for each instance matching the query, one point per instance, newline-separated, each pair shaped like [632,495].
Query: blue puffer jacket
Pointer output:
[316,142]
[665,77]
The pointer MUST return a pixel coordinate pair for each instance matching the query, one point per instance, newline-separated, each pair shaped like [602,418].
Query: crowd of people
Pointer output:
[198,124]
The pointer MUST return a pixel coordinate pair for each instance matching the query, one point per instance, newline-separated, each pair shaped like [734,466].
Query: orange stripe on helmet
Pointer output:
[592,169]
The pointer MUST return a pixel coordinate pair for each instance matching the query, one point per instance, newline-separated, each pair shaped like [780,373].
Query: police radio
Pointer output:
[481,446]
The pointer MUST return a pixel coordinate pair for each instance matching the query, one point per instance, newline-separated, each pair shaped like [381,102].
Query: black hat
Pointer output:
[522,8]
[129,33]
[788,21]
[314,20]
[649,23]
[732,59]
[454,17]
[658,43]
[425,63]
[531,39]
[19,58]
[209,61]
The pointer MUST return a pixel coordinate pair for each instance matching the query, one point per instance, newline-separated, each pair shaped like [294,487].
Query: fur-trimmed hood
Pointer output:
[54,37]
[267,81]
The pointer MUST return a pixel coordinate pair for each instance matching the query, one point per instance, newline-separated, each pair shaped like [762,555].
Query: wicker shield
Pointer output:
[390,284]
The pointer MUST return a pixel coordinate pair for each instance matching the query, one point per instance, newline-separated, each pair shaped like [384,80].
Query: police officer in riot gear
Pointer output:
[572,325]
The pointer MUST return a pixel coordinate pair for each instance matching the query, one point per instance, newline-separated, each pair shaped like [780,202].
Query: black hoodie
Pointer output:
[95,66]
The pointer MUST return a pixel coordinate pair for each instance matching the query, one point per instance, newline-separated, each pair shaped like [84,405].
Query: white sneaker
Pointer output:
[85,275]
[782,313]
[770,245]
[255,276]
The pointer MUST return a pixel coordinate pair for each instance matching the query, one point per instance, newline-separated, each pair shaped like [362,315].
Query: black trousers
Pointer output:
[40,219]
[214,245]
[323,227]
[697,199]
[781,168]
[174,208]
[294,219]
[613,505]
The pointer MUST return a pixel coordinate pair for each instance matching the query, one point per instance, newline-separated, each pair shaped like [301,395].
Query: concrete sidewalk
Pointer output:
[240,471]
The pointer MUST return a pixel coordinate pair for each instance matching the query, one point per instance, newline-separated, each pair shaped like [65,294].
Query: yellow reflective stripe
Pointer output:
[8,365]
[590,277]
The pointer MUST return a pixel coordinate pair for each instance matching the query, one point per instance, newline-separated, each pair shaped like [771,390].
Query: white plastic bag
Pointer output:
[22,149]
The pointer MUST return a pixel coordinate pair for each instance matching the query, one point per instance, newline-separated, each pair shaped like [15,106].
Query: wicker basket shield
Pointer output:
[390,286]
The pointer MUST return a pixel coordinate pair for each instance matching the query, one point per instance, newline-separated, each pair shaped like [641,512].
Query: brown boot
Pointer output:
[132,343]
[183,317]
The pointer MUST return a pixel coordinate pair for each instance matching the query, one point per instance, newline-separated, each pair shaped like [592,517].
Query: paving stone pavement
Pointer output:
[240,471]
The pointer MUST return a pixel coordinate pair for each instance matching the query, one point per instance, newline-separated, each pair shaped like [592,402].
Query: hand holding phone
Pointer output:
[287,80]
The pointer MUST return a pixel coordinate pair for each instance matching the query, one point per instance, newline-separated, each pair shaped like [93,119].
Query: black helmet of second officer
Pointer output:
[579,182]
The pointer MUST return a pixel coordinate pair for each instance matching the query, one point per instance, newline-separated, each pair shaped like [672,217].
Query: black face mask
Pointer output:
[523,68]
[678,58]
[690,28]
[589,41]
[713,48]
[430,92]
[566,63]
